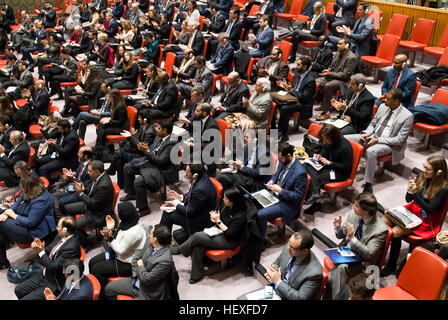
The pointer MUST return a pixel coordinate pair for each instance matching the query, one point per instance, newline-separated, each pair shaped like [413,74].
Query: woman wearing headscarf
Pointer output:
[122,242]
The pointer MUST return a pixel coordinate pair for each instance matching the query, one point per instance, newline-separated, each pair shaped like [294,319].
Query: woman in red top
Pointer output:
[426,198]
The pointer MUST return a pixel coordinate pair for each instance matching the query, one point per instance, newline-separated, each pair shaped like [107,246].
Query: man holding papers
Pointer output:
[364,233]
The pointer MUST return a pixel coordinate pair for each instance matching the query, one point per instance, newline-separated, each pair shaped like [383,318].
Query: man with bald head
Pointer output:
[19,151]
[232,99]
[400,76]
[164,102]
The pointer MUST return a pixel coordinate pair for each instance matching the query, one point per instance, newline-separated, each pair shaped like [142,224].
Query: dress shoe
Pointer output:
[128,197]
[144,212]
[193,281]
[316,206]
[313,198]
[368,188]
[5,265]
[323,116]
[283,138]
[291,59]
[110,172]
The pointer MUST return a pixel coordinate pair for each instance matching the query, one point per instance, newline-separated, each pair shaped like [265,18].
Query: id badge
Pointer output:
[332,175]
[423,214]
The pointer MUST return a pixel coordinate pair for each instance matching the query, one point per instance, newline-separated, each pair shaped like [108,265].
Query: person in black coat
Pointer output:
[192,214]
[321,57]
[231,220]
[64,247]
[221,62]
[6,128]
[336,158]
[96,200]
[303,87]
[48,16]
[356,106]
[65,71]
[195,42]
[150,86]
[155,168]
[344,14]
[115,124]
[8,17]
[164,102]
[266,8]
[61,153]
[129,78]
[150,53]
[19,151]
[231,100]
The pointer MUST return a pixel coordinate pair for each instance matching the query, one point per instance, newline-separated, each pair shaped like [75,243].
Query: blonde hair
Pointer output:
[127,25]
[439,181]
[320,6]
[102,36]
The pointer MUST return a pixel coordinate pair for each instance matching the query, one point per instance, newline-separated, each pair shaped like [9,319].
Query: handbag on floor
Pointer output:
[18,274]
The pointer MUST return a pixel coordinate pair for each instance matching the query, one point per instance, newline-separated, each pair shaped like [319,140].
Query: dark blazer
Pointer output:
[144,134]
[232,100]
[162,160]
[153,56]
[131,74]
[280,72]
[189,72]
[112,30]
[22,152]
[305,95]
[217,23]
[151,88]
[406,84]
[222,60]
[361,110]
[49,19]
[119,119]
[235,33]
[321,60]
[341,157]
[293,185]
[40,102]
[26,80]
[348,10]
[118,9]
[197,45]
[224,7]
[198,204]
[68,150]
[209,124]
[83,292]
[92,93]
[72,66]
[265,41]
[143,5]
[4,139]
[99,202]
[168,10]
[319,26]
[85,16]
[252,175]
[70,249]
[362,36]
[85,178]
[39,34]
[167,101]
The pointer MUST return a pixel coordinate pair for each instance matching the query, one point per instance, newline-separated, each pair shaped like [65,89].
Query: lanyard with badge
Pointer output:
[332,173]
[423,213]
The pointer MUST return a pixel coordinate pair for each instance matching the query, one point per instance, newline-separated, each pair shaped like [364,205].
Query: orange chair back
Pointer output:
[132,115]
[422,31]
[96,286]
[249,68]
[31,156]
[271,116]
[223,125]
[290,77]
[329,8]
[160,57]
[314,129]
[201,23]
[171,35]
[296,7]
[324,282]
[443,42]
[388,46]
[357,154]
[418,84]
[374,109]
[253,10]
[386,248]
[45,181]
[274,162]
[441,95]
[83,254]
[429,287]
[218,188]
[286,48]
[397,24]
[116,194]
[169,62]
[444,58]
[81,142]
[205,46]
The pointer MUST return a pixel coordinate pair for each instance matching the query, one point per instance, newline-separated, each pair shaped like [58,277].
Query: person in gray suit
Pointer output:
[202,76]
[149,269]
[387,133]
[365,234]
[335,77]
[296,274]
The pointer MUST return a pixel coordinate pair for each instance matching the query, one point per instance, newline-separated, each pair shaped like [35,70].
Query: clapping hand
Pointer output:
[68,174]
[37,245]
[337,222]
[237,164]
[412,188]
[78,186]
[49,295]
[214,216]
[273,275]
[350,231]
[169,203]
[142,146]
[173,194]
[2,149]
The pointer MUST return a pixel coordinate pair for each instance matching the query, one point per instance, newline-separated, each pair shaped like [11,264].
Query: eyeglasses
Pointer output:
[295,249]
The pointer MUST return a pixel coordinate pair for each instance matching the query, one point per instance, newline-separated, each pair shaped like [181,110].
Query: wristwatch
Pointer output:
[219,222]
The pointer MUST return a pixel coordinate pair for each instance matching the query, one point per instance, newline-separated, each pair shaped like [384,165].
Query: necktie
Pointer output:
[296,89]
[190,41]
[282,174]
[259,37]
[80,171]
[54,249]
[198,72]
[337,63]
[229,27]
[290,265]
[157,147]
[383,125]
[358,231]
[156,97]
[394,85]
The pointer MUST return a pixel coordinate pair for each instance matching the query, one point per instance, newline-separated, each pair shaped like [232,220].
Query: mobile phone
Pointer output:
[107,254]
[70,188]
[268,292]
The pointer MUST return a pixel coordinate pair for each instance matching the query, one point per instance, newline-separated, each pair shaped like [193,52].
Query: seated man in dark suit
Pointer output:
[271,67]
[155,168]
[164,103]
[356,106]
[296,274]
[322,57]
[78,286]
[364,233]
[65,246]
[6,128]
[221,62]
[48,16]
[233,28]
[197,98]
[110,27]
[61,153]
[195,42]
[344,14]
[150,269]
[288,184]
[231,100]
[303,89]
[203,76]
[96,200]
[19,151]
[217,22]
[399,76]
[192,210]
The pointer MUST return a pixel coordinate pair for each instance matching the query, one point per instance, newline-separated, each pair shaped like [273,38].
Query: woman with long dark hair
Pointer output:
[130,74]
[231,223]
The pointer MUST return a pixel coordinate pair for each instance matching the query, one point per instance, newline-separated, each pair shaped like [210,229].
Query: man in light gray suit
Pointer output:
[365,234]
[149,270]
[387,133]
[202,76]
[296,274]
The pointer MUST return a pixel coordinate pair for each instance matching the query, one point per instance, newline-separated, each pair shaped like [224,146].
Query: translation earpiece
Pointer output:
[64,230]
[439,172]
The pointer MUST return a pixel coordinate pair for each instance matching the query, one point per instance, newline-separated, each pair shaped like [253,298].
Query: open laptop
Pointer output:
[246,46]
[263,197]
[403,217]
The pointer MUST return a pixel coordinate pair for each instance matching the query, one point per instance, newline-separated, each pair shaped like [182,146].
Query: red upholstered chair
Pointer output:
[436,52]
[132,115]
[381,160]
[286,48]
[201,24]
[278,221]
[271,116]
[84,108]
[21,102]
[312,44]
[324,282]
[253,10]
[96,286]
[170,59]
[34,130]
[223,126]
[72,83]
[124,297]
[441,96]
[384,55]
[83,254]
[222,255]
[329,8]
[411,285]
[294,11]
[31,156]
[160,57]
[396,26]
[205,46]
[116,194]
[443,60]
[215,78]
[420,36]
[45,181]
[334,187]
[415,240]
[418,84]
[218,187]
